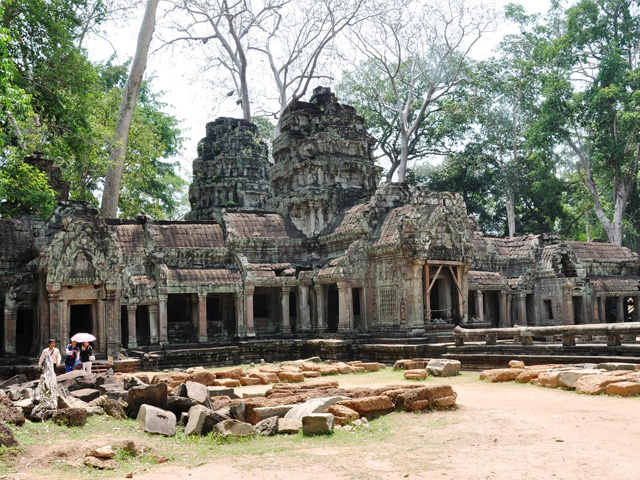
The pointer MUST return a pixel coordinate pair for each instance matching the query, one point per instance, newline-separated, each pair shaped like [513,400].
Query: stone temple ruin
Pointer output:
[309,246]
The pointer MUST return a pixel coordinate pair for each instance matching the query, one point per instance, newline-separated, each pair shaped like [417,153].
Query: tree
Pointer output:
[113,179]
[413,44]
[592,80]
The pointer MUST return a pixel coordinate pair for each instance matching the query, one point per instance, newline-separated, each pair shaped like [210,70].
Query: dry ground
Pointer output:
[499,432]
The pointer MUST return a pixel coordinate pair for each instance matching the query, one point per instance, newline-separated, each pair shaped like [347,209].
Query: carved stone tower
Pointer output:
[323,162]
[230,171]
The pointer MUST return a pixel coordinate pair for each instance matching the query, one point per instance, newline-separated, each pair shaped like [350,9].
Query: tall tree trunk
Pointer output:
[118,148]
[404,156]
[511,214]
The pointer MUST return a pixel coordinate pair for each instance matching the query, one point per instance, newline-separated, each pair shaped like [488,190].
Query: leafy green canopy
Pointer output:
[65,107]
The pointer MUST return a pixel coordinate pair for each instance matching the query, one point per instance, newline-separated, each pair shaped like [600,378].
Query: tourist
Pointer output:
[53,352]
[73,358]
[86,356]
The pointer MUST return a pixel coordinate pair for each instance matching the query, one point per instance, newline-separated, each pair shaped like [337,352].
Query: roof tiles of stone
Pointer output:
[517,247]
[389,231]
[190,235]
[143,280]
[257,225]
[616,284]
[601,252]
[130,238]
[212,276]
[352,219]
[485,278]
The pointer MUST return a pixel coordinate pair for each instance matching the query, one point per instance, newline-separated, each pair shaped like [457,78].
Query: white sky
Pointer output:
[188,95]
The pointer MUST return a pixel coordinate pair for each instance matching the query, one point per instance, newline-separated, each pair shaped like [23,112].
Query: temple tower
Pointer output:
[323,162]
[230,171]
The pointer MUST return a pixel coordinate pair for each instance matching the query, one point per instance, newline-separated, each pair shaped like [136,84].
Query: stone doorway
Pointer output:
[80,320]
[332,308]
[181,327]
[356,306]
[25,332]
[221,315]
[143,332]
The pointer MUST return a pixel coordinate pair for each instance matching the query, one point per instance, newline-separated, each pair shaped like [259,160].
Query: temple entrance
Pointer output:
[80,320]
[293,310]
[143,333]
[356,294]
[267,311]
[180,319]
[443,295]
[221,314]
[25,332]
[492,307]
[578,313]
[332,308]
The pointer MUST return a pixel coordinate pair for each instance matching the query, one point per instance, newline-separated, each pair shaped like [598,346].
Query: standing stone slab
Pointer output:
[202,420]
[317,424]
[155,420]
[198,392]
[155,395]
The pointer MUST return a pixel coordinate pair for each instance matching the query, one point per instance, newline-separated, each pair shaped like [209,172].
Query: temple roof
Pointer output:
[478,277]
[130,238]
[257,225]
[617,285]
[601,252]
[190,235]
[211,276]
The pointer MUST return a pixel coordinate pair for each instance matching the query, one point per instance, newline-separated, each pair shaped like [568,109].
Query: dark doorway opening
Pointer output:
[221,315]
[293,310]
[578,314]
[356,294]
[124,327]
[180,327]
[492,308]
[267,310]
[25,332]
[143,333]
[80,320]
[332,308]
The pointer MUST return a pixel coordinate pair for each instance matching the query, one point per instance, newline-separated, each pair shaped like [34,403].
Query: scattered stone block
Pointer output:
[342,415]
[500,374]
[201,420]
[246,381]
[267,427]
[265,378]
[234,373]
[568,379]
[156,420]
[516,364]
[77,380]
[289,426]
[443,367]
[15,380]
[596,384]
[311,374]
[624,389]
[235,428]
[205,377]
[101,463]
[6,436]
[372,366]
[10,413]
[227,382]
[114,391]
[549,379]
[275,411]
[527,375]
[217,391]
[102,452]
[293,376]
[369,407]
[312,406]
[71,417]
[153,395]
[197,392]
[86,394]
[611,366]
[419,374]
[178,405]
[317,424]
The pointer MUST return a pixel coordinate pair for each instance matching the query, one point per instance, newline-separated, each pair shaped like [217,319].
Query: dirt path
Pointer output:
[499,432]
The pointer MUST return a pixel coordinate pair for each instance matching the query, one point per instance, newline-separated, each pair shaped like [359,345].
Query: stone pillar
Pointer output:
[320,306]
[343,307]
[162,319]
[248,296]
[567,305]
[240,312]
[479,304]
[202,317]
[101,343]
[636,308]
[305,312]
[286,314]
[603,309]
[522,309]
[10,324]
[153,324]
[415,295]
[195,315]
[131,324]
[620,310]
[503,321]
[63,318]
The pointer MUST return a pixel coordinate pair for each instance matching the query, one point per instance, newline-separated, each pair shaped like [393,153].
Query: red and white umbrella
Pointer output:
[83,337]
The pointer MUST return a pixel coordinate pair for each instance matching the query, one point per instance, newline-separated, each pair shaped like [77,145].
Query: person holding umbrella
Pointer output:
[86,350]
[72,358]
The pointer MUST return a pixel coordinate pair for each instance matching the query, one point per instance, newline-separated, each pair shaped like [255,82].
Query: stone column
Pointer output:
[240,312]
[522,309]
[305,312]
[162,319]
[415,295]
[343,307]
[286,314]
[153,324]
[202,317]
[479,304]
[131,324]
[10,324]
[101,343]
[195,315]
[320,306]
[636,308]
[620,310]
[603,309]
[63,318]
[503,321]
[248,296]
[567,305]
